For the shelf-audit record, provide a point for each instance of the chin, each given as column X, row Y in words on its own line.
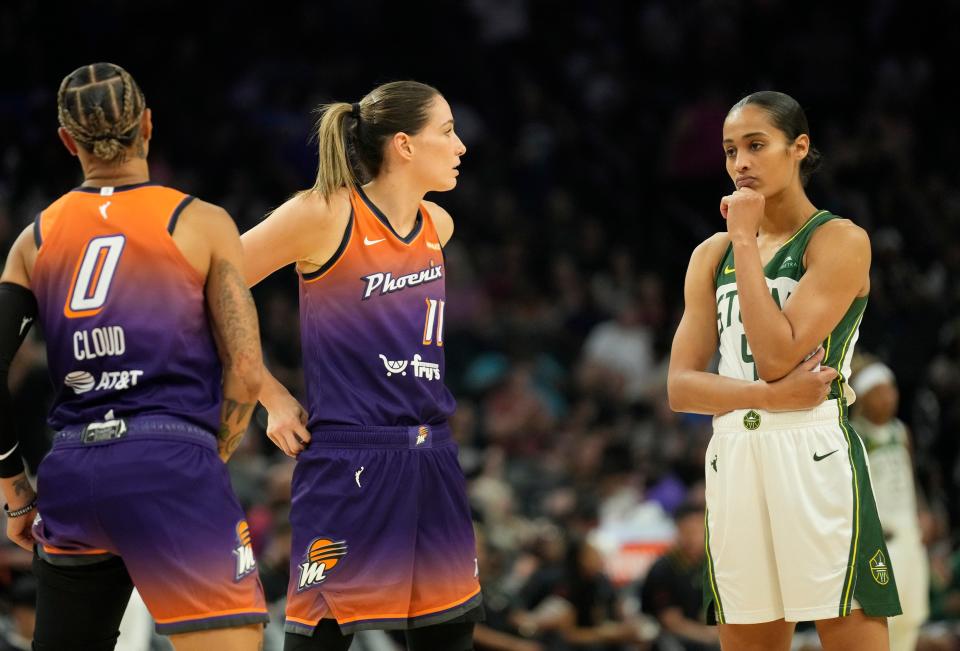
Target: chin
column 445, row 186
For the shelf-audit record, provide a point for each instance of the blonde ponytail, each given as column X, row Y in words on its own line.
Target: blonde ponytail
column 334, row 170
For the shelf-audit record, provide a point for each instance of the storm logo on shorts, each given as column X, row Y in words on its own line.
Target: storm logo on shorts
column 321, row 557
column 879, row 569
column 244, row 551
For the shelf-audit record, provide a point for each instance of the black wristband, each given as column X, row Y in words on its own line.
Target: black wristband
column 23, row 510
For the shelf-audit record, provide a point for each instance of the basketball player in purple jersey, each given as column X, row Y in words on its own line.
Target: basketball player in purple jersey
column 152, row 397
column 382, row 535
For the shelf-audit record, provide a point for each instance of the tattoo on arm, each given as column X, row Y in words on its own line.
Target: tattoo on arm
column 238, row 338
column 236, row 309
column 233, row 428
column 22, row 487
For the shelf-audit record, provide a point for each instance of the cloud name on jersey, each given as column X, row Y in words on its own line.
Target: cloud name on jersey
column 108, row 341
column 386, row 283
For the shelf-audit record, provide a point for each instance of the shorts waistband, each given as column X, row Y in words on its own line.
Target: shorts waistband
column 761, row 420
column 411, row 437
column 154, row 427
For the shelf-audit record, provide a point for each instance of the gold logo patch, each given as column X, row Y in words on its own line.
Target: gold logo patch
column 879, row 569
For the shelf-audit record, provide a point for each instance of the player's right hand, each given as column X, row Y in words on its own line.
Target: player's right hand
column 20, row 530
column 287, row 424
column 805, row 387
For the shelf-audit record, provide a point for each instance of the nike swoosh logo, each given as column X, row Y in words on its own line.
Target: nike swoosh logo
column 728, row 269
column 103, row 209
column 817, row 457
column 9, row 452
column 26, row 321
column 434, row 245
column 369, row 242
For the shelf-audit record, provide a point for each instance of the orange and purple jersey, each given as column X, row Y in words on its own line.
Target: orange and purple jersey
column 122, row 310
column 372, row 326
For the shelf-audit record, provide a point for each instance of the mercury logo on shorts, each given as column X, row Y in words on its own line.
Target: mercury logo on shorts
column 879, row 569
column 752, row 420
column 322, row 555
column 244, row 551
column 422, row 434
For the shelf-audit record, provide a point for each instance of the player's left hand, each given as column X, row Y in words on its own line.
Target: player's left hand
column 743, row 211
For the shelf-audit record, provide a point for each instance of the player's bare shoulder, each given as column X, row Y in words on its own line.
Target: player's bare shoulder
column 709, row 253
column 840, row 236
column 201, row 228
column 310, row 209
column 19, row 264
column 442, row 221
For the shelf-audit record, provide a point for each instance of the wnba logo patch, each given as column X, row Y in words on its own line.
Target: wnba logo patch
column 322, row 555
column 244, row 551
column 879, row 569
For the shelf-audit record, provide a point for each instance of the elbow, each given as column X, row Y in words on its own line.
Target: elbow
column 248, row 372
column 773, row 370
column 675, row 393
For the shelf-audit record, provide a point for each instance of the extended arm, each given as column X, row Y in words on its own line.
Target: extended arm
column 306, row 230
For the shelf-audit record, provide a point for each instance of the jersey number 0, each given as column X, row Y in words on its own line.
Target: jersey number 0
column 93, row 277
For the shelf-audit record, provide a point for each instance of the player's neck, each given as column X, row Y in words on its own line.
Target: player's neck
column 130, row 172
column 786, row 212
column 397, row 200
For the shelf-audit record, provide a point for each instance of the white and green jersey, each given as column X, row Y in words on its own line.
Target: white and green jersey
column 783, row 274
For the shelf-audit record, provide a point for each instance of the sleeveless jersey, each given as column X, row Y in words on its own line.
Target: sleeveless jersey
column 891, row 472
column 371, row 322
column 783, row 273
column 123, row 312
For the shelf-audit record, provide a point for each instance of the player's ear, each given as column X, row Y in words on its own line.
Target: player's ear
column 801, row 146
column 67, row 141
column 146, row 125
column 403, row 145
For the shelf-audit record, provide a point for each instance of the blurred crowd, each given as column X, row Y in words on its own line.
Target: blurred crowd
column 593, row 168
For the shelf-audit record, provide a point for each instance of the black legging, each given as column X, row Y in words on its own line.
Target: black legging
column 80, row 607
column 439, row 637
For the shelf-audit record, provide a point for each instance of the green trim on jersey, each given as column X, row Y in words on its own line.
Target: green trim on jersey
column 787, row 262
column 870, row 577
column 711, row 591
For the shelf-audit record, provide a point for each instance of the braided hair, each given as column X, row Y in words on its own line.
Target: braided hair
column 100, row 106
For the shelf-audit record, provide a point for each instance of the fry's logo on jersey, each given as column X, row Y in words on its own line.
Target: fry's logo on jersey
column 322, row 555
column 244, row 552
column 387, row 284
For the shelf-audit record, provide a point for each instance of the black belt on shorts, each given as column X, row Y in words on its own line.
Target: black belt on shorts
column 155, row 427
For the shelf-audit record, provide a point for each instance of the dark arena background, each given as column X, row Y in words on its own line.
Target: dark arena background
column 593, row 168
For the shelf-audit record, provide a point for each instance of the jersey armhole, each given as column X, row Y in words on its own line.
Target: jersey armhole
column 328, row 265
column 717, row 272
column 172, row 224
column 37, row 230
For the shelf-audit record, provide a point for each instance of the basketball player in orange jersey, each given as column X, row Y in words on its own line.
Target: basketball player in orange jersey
column 382, row 535
column 153, row 395
column 792, row 527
